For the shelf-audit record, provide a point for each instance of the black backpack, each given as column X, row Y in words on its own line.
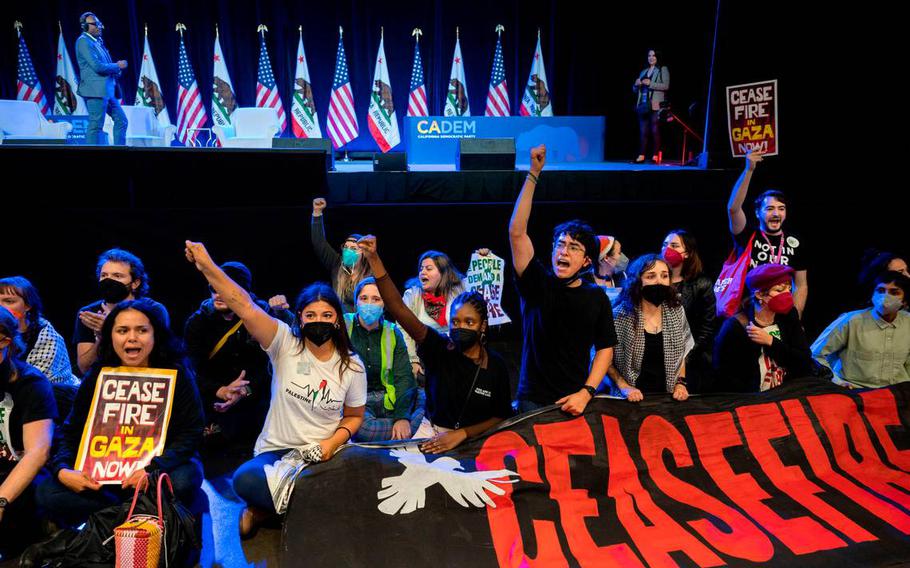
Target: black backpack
column 93, row 546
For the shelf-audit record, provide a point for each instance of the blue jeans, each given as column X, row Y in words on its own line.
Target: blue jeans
column 97, row 108
column 65, row 506
column 250, row 484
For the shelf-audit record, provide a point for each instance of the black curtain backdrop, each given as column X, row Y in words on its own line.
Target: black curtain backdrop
column 592, row 52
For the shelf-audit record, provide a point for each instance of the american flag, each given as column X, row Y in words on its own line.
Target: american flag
column 342, row 123
column 190, row 112
column 498, row 96
column 266, row 91
column 28, row 86
column 417, row 100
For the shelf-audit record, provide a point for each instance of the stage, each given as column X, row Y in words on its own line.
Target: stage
column 156, row 177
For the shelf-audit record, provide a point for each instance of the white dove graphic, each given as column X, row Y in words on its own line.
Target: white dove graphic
column 407, row 492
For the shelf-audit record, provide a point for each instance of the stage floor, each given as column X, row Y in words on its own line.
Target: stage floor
column 367, row 166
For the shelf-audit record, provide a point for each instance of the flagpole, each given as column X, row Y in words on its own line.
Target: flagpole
column 216, row 30
column 341, row 37
column 60, row 26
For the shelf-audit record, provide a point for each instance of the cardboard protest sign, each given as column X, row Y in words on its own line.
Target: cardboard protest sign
column 127, row 423
column 752, row 118
column 486, row 274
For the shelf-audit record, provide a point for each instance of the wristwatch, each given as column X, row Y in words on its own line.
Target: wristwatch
column 3, row 502
column 591, row 390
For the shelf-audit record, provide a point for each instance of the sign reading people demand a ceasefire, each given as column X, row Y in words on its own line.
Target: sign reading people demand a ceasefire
column 127, row 423
column 486, row 274
column 752, row 118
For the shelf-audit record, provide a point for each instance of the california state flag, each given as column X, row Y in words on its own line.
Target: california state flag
column 66, row 101
column 457, row 96
column 223, row 99
column 536, row 99
column 381, row 117
column 303, row 105
column 148, row 93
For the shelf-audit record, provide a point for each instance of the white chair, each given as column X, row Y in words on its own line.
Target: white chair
column 143, row 128
column 22, row 120
column 251, row 127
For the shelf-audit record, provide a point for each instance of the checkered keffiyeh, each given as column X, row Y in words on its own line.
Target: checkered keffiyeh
column 50, row 357
column 630, row 346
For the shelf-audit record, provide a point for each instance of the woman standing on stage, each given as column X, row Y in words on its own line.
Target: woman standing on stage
column 651, row 88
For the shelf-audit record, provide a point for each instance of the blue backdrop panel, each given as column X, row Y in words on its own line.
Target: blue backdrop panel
column 434, row 139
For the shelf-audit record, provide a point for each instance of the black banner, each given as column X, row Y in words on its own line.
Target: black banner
column 808, row 474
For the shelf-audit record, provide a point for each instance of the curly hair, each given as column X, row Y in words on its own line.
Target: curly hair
column 137, row 269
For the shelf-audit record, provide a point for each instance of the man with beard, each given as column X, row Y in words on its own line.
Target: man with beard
column 770, row 243
column 232, row 371
column 563, row 314
column 98, row 86
column 121, row 276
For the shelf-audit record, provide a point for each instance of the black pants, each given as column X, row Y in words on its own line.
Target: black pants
column 648, row 125
column 21, row 525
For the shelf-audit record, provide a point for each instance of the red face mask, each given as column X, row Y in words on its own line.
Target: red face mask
column 18, row 315
column 781, row 304
column 673, row 257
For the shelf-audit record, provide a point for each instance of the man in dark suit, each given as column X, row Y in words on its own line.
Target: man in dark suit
column 99, row 81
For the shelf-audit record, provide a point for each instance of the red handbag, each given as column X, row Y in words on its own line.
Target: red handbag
column 728, row 289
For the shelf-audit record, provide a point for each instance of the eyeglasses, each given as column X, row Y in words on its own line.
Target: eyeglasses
column 571, row 247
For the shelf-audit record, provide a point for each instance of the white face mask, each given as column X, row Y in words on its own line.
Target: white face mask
column 886, row 304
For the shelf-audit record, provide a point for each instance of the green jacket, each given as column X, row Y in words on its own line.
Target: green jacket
column 385, row 355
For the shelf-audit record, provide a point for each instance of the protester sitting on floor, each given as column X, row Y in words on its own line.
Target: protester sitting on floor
column 27, row 414
column 611, row 266
column 563, row 314
column 871, row 347
column 347, row 269
column 134, row 334
column 467, row 384
column 45, row 347
column 319, row 387
column 765, row 343
column 429, row 296
column 121, row 276
column 653, row 337
column 873, row 263
column 394, row 411
column 696, row 292
column 232, row 372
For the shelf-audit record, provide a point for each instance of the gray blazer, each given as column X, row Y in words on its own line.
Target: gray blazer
column 98, row 73
column 660, row 84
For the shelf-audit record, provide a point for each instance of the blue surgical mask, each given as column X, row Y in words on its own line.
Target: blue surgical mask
column 349, row 257
column 622, row 263
column 886, row 304
column 369, row 313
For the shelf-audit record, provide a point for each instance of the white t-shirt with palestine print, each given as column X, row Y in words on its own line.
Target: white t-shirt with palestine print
column 308, row 397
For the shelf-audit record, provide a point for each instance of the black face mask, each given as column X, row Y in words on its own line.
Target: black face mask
column 319, row 332
column 113, row 291
column 657, row 294
column 464, row 338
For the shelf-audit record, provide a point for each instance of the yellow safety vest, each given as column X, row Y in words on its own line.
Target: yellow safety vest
column 386, row 352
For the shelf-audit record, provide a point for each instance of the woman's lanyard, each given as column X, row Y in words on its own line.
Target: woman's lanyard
column 470, row 392
column 780, row 248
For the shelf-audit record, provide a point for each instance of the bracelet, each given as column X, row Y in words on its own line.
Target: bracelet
column 532, row 177
column 682, row 381
column 350, row 434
